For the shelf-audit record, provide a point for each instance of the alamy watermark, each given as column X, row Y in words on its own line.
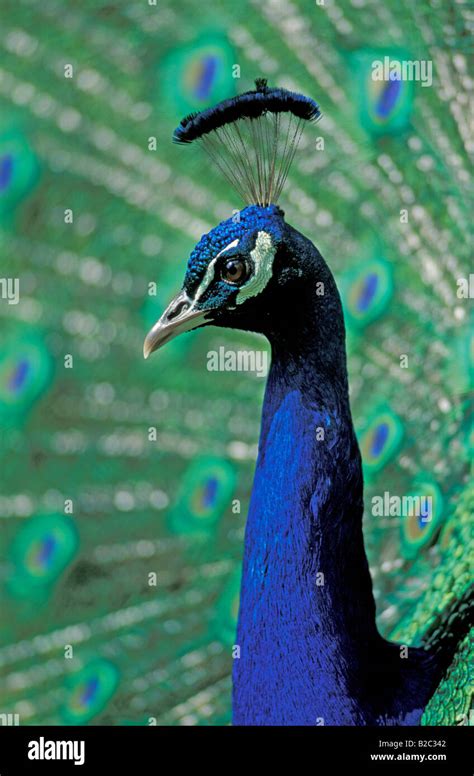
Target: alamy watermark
column 224, row 360
column 389, row 505
column 465, row 287
column 10, row 290
column 387, row 69
column 9, row 719
column 45, row 749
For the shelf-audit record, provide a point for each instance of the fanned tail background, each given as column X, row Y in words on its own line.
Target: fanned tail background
column 125, row 484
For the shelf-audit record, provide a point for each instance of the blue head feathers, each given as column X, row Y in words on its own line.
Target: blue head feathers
column 234, row 261
column 231, row 265
column 215, row 242
column 252, row 138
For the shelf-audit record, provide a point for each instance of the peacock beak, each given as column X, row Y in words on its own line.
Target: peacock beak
column 178, row 317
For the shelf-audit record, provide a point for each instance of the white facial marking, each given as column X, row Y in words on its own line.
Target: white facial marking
column 262, row 257
column 209, row 276
column 233, row 244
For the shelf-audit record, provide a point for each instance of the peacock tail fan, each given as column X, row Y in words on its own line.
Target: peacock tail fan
column 252, row 138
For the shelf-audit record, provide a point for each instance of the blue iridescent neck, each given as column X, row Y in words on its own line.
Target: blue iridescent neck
column 307, row 614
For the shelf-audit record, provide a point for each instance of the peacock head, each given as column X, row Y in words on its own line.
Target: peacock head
column 242, row 273
column 230, row 273
column 246, row 273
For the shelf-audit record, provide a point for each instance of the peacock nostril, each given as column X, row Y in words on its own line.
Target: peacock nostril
column 180, row 308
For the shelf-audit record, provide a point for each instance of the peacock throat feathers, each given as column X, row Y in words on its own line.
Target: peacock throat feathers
column 252, row 139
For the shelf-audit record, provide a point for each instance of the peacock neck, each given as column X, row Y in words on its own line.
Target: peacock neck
column 307, row 616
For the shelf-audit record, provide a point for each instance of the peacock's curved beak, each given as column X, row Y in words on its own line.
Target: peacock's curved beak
column 178, row 317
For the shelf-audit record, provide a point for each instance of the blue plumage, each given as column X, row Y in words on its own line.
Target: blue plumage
column 309, row 649
column 247, row 223
column 310, row 652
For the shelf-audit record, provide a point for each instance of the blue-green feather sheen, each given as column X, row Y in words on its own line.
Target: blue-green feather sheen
column 309, row 653
column 245, row 226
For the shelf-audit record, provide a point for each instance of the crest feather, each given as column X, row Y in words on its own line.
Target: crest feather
column 252, row 138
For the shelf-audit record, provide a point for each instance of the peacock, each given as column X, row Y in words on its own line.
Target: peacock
column 125, row 484
column 308, row 648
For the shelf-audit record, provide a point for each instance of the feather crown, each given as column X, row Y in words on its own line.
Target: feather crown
column 252, row 138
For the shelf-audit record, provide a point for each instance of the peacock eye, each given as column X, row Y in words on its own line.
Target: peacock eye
column 235, row 271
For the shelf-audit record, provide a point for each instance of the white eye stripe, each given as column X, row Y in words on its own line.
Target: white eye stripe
column 233, row 244
column 262, row 257
column 209, row 276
